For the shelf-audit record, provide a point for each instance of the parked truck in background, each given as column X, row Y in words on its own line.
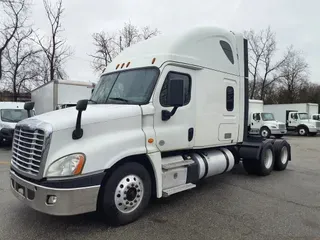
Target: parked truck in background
column 263, row 123
column 59, row 94
column 167, row 113
column 299, row 117
column 11, row 113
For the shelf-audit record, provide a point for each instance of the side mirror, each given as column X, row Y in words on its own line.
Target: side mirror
column 29, row 106
column 175, row 97
column 81, row 106
column 176, row 92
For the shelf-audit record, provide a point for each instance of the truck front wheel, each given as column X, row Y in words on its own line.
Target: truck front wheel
column 126, row 194
column 303, row 131
column 265, row 132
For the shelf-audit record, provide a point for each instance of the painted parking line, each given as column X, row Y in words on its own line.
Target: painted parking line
column 4, row 163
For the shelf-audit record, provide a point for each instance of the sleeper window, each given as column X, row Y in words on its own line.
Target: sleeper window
column 230, row 98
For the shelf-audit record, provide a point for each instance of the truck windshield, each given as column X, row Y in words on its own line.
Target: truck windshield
column 127, row 87
column 14, row 115
column 303, row 116
column 267, row 116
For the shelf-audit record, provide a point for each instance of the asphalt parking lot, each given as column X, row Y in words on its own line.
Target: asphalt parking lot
column 284, row 205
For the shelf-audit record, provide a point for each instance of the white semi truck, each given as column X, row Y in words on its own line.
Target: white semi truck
column 167, row 113
column 60, row 94
column 299, row 117
column 10, row 114
column 263, row 123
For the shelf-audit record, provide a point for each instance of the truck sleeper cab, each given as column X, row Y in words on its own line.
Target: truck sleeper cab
column 167, row 113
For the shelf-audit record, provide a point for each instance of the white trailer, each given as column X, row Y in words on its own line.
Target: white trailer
column 167, row 113
column 299, row 117
column 11, row 113
column 60, row 94
column 263, row 123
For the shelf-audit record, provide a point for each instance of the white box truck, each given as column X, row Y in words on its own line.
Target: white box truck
column 167, row 113
column 263, row 123
column 299, row 117
column 60, row 94
column 11, row 113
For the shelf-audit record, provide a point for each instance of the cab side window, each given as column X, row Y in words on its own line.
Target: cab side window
column 256, row 116
column 187, row 88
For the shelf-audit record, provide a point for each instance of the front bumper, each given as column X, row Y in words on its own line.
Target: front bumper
column 6, row 134
column 69, row 201
column 275, row 131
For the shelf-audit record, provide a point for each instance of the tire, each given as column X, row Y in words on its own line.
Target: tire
column 265, row 132
column 282, row 149
column 302, row 131
column 266, row 162
column 278, row 136
column 126, row 194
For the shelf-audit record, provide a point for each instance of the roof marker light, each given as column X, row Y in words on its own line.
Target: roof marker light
column 153, row 60
column 122, row 65
column 118, row 66
column 128, row 64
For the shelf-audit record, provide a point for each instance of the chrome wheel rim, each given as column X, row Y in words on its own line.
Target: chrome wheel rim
column 284, row 155
column 129, row 194
column 268, row 158
column 264, row 133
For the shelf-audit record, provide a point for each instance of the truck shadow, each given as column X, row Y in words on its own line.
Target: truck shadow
column 158, row 211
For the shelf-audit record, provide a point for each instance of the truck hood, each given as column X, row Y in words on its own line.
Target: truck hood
column 275, row 122
column 9, row 125
column 95, row 113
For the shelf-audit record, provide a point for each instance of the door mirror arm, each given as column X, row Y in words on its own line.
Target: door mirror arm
column 166, row 115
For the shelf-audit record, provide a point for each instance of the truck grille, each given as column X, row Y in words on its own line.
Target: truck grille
column 282, row 126
column 27, row 147
column 317, row 124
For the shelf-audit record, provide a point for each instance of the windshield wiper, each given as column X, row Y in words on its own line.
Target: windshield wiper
column 119, row 99
column 90, row 100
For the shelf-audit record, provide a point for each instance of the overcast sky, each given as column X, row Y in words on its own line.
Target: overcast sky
column 294, row 21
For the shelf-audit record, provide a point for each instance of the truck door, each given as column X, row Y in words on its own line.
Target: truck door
column 293, row 120
column 177, row 132
column 256, row 123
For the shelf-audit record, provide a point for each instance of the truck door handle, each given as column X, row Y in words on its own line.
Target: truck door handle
column 190, row 134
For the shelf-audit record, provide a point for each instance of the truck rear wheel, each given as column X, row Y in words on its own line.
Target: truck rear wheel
column 266, row 161
column 281, row 156
column 126, row 194
column 265, row 132
column 262, row 166
column 303, row 131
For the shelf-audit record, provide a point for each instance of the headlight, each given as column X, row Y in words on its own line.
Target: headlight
column 67, row 166
column 273, row 126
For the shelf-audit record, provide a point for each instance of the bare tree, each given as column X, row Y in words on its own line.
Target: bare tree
column 147, row 32
column 262, row 49
column 105, row 50
column 109, row 45
column 21, row 57
column 13, row 17
column 294, row 75
column 55, row 48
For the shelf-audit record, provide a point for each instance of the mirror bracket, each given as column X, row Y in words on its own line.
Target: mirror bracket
column 166, row 115
column 78, row 132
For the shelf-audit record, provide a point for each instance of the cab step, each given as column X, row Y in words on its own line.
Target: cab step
column 167, row 166
column 170, row 191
